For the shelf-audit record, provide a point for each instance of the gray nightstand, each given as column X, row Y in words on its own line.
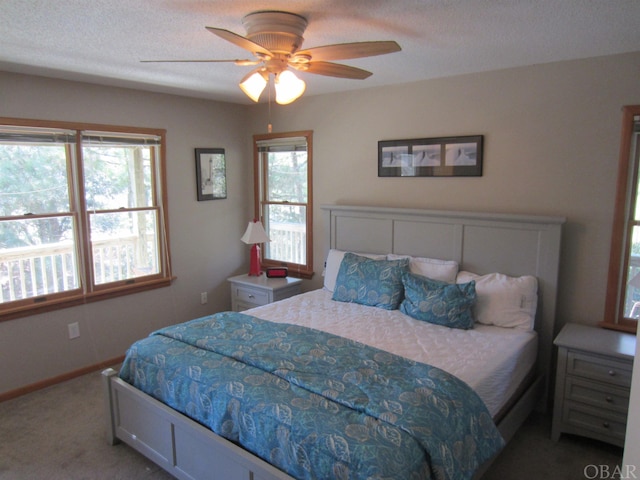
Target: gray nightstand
column 248, row 292
column 593, row 382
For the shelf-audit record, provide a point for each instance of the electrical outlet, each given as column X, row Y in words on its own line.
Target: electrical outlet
column 74, row 330
column 203, row 298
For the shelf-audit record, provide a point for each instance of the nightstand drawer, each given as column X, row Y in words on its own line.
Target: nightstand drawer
column 610, row 425
column 597, row 394
column 253, row 297
column 242, row 306
column 254, row 291
column 605, row 369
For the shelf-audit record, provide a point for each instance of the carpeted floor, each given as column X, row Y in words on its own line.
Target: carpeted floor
column 532, row 455
column 58, row 434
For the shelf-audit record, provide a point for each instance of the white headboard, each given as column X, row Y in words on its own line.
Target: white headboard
column 481, row 243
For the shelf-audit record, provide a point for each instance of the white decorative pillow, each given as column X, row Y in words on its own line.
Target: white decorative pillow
column 443, row 270
column 332, row 266
column 504, row 301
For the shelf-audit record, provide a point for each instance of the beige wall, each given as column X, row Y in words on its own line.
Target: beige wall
column 551, row 147
column 204, row 238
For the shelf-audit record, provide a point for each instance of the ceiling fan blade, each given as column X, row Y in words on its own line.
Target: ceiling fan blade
column 343, row 51
column 333, row 70
column 241, row 63
column 240, row 41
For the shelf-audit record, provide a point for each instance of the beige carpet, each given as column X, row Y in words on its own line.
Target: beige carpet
column 532, row 455
column 58, row 434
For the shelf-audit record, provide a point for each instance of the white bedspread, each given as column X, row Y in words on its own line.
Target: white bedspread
column 492, row 360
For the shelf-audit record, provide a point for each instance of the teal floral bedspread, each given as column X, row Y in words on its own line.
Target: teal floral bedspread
column 313, row 404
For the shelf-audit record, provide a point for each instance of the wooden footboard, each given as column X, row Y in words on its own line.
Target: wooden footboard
column 182, row 447
column 190, row 451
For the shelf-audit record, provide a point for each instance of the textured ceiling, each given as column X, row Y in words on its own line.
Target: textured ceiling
column 103, row 41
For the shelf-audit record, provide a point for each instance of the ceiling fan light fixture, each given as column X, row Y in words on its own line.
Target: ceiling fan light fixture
column 275, row 38
column 253, row 84
column 288, row 87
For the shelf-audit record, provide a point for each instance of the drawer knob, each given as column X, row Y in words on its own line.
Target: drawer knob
column 612, row 373
column 251, row 296
column 605, row 424
column 608, row 399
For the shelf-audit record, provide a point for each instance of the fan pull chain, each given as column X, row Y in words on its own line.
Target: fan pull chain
column 269, row 126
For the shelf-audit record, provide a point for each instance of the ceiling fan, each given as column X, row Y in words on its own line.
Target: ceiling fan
column 275, row 38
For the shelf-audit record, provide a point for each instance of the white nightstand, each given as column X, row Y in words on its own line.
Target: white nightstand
column 248, row 292
column 593, row 383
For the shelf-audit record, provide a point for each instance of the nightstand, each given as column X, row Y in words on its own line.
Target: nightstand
column 248, row 292
column 593, row 382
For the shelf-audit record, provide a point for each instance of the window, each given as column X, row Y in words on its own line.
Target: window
column 82, row 214
column 282, row 165
column 622, row 308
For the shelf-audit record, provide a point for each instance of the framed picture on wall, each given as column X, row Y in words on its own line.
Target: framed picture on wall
column 431, row 157
column 211, row 174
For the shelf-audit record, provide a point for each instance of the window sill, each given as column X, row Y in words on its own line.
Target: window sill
column 294, row 270
column 72, row 301
column 630, row 327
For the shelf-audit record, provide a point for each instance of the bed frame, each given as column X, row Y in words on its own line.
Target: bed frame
column 481, row 242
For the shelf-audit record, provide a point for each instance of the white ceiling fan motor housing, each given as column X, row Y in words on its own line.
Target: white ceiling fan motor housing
column 278, row 32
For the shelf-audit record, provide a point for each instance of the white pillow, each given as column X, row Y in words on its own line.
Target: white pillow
column 443, row 270
column 332, row 265
column 504, row 301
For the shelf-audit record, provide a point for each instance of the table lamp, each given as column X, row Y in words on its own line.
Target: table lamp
column 254, row 235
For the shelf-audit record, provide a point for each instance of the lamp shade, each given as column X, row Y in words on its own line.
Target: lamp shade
column 255, row 233
column 253, row 84
column 288, row 87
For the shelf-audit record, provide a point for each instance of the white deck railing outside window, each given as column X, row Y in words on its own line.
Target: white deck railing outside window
column 288, row 242
column 27, row 272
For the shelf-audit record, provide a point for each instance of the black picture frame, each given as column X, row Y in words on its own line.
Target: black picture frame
column 211, row 174
column 431, row 157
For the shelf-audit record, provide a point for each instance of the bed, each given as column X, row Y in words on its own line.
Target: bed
column 484, row 248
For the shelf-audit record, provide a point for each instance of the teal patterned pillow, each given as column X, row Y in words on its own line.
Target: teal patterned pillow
column 376, row 283
column 433, row 301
